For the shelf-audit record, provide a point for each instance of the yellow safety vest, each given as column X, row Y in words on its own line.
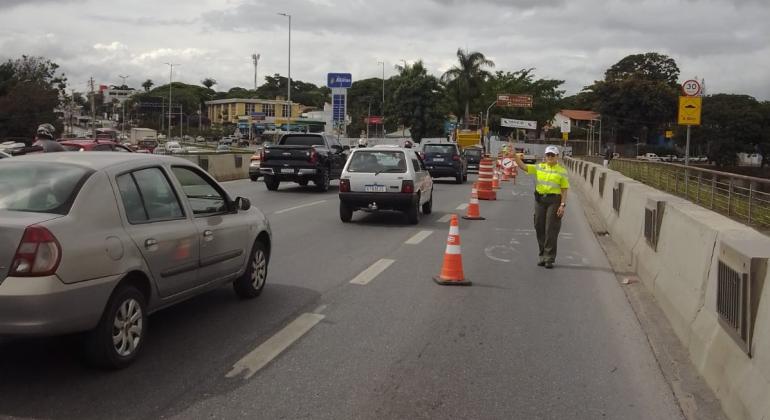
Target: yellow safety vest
column 549, row 179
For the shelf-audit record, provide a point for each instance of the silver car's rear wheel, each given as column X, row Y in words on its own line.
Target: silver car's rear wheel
column 127, row 327
column 250, row 284
column 119, row 337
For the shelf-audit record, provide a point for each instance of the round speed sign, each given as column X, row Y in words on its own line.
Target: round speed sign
column 691, row 88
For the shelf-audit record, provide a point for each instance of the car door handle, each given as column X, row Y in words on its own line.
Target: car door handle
column 151, row 244
column 208, row 235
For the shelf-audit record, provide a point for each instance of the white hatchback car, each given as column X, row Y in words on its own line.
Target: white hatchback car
column 385, row 178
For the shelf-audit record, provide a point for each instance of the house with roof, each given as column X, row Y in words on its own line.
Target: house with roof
column 574, row 118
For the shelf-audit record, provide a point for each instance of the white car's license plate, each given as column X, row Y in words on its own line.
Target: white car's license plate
column 287, row 171
column 438, row 159
column 374, row 188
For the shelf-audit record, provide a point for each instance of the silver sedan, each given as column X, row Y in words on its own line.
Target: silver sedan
column 94, row 242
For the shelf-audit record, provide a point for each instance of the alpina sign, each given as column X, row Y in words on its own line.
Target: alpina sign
column 339, row 80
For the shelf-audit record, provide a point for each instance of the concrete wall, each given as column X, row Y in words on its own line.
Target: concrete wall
column 223, row 166
column 682, row 275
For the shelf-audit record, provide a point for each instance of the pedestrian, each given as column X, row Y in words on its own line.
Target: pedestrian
column 551, row 185
column 607, row 156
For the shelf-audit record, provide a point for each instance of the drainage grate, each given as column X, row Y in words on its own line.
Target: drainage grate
column 653, row 217
column 602, row 179
column 732, row 303
column 204, row 164
column 617, row 194
column 238, row 161
column 593, row 175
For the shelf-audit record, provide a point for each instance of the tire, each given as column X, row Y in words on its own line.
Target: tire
column 250, row 284
column 254, row 178
column 413, row 214
column 459, row 178
column 303, row 182
column 322, row 181
column 271, row 183
column 127, row 308
column 346, row 212
column 427, row 208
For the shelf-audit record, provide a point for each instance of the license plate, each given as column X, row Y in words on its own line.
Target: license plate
column 287, row 171
column 375, row 188
column 438, row 159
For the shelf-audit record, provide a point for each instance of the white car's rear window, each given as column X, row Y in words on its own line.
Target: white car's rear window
column 40, row 187
column 371, row 161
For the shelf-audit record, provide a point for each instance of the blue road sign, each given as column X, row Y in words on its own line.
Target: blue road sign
column 338, row 107
column 339, row 80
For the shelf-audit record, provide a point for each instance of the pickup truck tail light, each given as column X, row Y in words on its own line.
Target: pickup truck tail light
column 407, row 186
column 344, row 185
column 262, row 155
column 38, row 254
column 313, row 156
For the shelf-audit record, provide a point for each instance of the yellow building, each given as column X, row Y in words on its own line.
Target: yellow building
column 229, row 110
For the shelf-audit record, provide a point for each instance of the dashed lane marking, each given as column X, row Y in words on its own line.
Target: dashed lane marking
column 418, row 237
column 462, row 206
column 445, row 218
column 300, row 206
column 373, row 271
column 274, row 346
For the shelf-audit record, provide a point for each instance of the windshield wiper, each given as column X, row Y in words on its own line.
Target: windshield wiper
column 389, row 170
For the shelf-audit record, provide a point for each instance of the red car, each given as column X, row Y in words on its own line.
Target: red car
column 91, row 145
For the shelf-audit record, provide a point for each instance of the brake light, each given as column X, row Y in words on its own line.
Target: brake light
column 344, row 185
column 407, row 186
column 313, row 156
column 39, row 254
column 262, row 154
column 455, row 157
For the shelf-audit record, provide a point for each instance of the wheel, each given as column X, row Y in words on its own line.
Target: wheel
column 346, row 212
column 427, row 208
column 250, row 284
column 254, row 177
column 413, row 214
column 271, row 183
column 303, row 182
column 322, row 181
column 119, row 337
column 459, row 178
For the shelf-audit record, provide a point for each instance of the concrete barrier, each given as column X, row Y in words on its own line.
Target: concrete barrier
column 223, row 166
column 682, row 272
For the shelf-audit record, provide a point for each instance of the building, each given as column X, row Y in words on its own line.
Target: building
column 576, row 122
column 111, row 93
column 574, row 118
column 229, row 111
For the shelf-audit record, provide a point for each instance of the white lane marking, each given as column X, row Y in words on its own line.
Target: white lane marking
column 445, row 218
column 319, row 309
column 462, row 206
column 418, row 237
column 275, row 345
column 373, row 271
column 300, row 206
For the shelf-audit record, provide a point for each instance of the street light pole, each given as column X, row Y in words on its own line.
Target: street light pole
column 486, row 122
column 123, row 108
column 255, row 57
column 383, row 97
column 288, row 94
column 170, row 78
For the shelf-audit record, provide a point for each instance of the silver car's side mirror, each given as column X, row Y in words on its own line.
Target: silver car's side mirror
column 242, row 203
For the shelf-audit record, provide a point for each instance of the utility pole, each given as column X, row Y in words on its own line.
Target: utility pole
column 255, row 57
column 123, row 109
column 93, row 108
column 288, row 94
column 383, row 97
column 170, row 79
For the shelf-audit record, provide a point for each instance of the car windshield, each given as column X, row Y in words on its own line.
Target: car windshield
column 447, row 149
column 40, row 187
column 377, row 162
column 302, row 141
column 473, row 152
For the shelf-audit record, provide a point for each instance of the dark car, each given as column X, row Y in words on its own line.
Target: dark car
column 445, row 160
column 473, row 157
column 91, row 145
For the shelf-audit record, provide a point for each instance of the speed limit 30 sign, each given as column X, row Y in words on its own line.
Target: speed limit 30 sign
column 691, row 88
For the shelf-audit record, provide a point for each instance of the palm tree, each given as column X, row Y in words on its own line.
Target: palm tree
column 208, row 82
column 147, row 85
column 468, row 77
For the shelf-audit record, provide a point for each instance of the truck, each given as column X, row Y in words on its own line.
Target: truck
column 301, row 158
column 144, row 138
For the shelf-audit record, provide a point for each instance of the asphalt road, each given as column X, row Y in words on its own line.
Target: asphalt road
column 522, row 342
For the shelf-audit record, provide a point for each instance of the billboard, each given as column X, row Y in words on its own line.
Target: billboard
column 339, row 80
column 529, row 125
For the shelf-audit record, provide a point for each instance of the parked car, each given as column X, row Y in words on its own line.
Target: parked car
column 385, row 178
column 223, row 148
column 650, row 157
column 91, row 145
column 162, row 232
column 302, row 157
column 473, row 157
column 445, row 160
column 173, row 147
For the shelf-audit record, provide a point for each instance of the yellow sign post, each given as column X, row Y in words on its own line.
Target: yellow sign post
column 689, row 110
column 565, row 136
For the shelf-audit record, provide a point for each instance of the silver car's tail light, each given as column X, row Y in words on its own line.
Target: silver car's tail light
column 39, row 254
column 344, row 185
column 407, row 186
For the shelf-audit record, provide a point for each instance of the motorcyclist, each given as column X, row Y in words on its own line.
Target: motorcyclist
column 45, row 139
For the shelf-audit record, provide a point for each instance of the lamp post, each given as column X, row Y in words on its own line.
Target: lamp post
column 383, row 96
column 123, row 109
column 288, row 94
column 486, row 124
column 255, row 57
column 170, row 78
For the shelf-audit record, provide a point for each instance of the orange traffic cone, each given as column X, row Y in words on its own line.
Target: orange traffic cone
column 495, row 181
column 473, row 207
column 452, row 269
column 506, row 174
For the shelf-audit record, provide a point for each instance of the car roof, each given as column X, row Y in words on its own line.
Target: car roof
column 97, row 160
column 86, row 141
column 381, row 147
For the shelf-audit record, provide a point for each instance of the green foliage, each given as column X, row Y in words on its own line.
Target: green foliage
column 361, row 94
column 464, row 81
column 301, row 92
column 208, row 82
column 30, row 90
column 147, row 85
column 650, row 66
column 417, row 102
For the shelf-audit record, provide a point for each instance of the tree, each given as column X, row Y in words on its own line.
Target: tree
column 30, row 90
column 417, row 102
column 730, row 124
column 147, row 85
column 361, row 95
column 208, row 82
column 467, row 77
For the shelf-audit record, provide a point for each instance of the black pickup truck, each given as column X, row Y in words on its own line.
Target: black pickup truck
column 303, row 157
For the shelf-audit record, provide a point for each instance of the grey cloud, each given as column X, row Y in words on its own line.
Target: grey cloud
column 8, row 4
column 144, row 20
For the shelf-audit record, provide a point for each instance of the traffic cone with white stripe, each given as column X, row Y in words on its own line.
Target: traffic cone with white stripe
column 473, row 212
column 495, row 181
column 452, row 269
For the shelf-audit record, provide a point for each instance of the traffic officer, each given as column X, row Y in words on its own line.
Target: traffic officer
column 550, row 201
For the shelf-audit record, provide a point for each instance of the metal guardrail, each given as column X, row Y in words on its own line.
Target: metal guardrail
column 742, row 198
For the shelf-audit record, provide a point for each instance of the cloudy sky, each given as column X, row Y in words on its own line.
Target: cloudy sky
column 727, row 42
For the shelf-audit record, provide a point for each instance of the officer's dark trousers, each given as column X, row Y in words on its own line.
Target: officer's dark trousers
column 547, row 224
